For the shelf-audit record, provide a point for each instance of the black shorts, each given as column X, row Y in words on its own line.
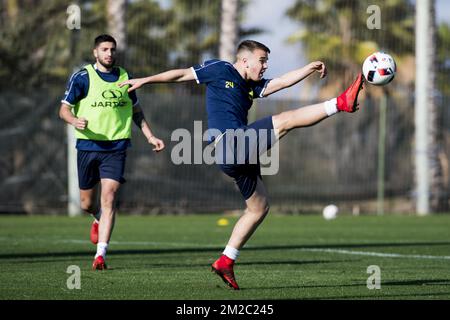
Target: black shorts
column 245, row 167
column 96, row 165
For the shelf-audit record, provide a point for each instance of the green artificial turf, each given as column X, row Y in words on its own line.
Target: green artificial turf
column 169, row 257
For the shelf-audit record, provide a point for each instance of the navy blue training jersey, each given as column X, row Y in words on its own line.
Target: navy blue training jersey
column 228, row 95
column 77, row 89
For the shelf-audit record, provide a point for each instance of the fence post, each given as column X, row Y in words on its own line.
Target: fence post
column 73, row 194
column 381, row 153
column 421, row 112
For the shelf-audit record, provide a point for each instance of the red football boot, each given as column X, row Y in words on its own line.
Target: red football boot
column 94, row 232
column 348, row 100
column 223, row 267
column 99, row 264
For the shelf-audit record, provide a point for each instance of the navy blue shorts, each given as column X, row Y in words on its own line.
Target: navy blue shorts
column 245, row 167
column 94, row 165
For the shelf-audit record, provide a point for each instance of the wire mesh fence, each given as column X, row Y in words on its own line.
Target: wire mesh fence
column 335, row 161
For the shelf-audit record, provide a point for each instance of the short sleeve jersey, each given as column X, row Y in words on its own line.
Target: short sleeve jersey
column 228, row 95
column 77, row 89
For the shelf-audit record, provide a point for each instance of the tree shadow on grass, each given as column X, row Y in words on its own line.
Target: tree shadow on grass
column 33, row 255
column 258, row 263
column 418, row 282
column 381, row 295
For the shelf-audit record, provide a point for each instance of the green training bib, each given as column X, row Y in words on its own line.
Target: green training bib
column 107, row 108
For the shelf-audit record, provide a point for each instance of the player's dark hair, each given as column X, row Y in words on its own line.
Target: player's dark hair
column 104, row 38
column 251, row 45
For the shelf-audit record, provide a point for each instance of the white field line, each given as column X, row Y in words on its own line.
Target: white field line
column 324, row 250
column 377, row 254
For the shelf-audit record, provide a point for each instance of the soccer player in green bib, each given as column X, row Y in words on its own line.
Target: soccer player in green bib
column 102, row 114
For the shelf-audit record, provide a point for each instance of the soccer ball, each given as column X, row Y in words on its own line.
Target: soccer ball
column 379, row 69
column 330, row 212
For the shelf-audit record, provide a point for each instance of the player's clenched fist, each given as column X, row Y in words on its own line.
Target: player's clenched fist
column 80, row 123
column 157, row 143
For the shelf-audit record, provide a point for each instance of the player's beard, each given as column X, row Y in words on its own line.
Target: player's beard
column 106, row 64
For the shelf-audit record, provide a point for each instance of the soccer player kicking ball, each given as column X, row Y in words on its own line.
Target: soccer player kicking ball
column 231, row 89
column 101, row 113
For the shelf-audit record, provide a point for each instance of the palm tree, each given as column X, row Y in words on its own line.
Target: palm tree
column 46, row 56
column 229, row 30
column 336, row 31
column 443, row 56
column 37, row 57
column 116, row 13
column 195, row 28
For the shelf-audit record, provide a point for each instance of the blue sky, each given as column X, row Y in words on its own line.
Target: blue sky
column 285, row 57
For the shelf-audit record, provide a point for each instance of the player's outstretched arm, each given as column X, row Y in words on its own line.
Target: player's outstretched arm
column 175, row 75
column 293, row 77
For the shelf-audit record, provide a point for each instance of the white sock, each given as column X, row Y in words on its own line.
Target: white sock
column 98, row 214
column 101, row 249
column 331, row 107
column 231, row 252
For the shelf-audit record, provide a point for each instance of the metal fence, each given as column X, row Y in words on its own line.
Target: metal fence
column 334, row 161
